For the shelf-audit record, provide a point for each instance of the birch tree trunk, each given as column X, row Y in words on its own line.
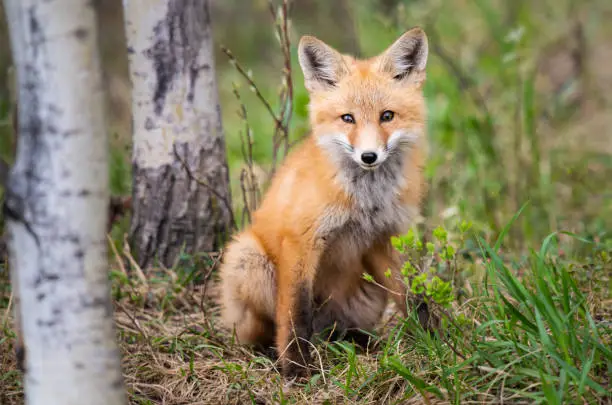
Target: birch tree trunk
column 181, row 196
column 56, row 207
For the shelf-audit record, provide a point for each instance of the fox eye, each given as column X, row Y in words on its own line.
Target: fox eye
column 386, row 116
column 348, row 118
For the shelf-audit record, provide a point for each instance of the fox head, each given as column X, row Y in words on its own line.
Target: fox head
column 366, row 110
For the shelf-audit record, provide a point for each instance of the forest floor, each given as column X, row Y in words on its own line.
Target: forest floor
column 536, row 330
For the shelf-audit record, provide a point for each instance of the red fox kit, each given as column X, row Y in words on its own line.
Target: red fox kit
column 334, row 204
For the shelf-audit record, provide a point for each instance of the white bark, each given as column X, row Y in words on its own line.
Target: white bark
column 57, row 206
column 175, row 108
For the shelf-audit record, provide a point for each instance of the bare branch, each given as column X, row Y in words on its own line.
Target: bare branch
column 248, row 180
column 206, row 185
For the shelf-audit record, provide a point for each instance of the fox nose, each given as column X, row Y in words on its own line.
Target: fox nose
column 368, row 157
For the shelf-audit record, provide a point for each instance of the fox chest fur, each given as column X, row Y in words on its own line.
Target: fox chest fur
column 377, row 212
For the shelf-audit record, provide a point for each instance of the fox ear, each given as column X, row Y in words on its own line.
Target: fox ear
column 406, row 58
column 322, row 65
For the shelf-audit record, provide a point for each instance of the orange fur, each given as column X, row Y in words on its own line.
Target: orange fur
column 328, row 216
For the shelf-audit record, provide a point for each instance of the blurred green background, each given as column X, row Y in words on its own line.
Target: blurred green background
column 519, row 96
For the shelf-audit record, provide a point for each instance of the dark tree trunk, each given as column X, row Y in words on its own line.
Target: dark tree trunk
column 181, row 198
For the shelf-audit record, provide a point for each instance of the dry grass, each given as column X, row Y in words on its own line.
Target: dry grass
column 10, row 378
column 180, row 356
column 179, row 362
column 174, row 353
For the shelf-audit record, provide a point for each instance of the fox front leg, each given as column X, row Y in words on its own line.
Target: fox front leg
column 294, row 314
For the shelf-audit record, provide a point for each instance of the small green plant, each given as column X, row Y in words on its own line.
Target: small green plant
column 429, row 268
column 517, row 332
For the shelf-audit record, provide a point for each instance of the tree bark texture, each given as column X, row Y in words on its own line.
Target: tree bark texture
column 176, row 123
column 56, row 207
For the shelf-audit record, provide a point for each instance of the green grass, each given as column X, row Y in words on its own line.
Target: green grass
column 524, row 330
column 519, row 150
column 533, row 329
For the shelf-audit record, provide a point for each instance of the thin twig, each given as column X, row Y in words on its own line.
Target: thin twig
column 287, row 91
column 383, row 287
column 283, row 118
column 247, row 175
column 207, row 186
column 128, row 253
column 116, row 255
column 252, row 85
column 247, row 209
column 139, row 328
